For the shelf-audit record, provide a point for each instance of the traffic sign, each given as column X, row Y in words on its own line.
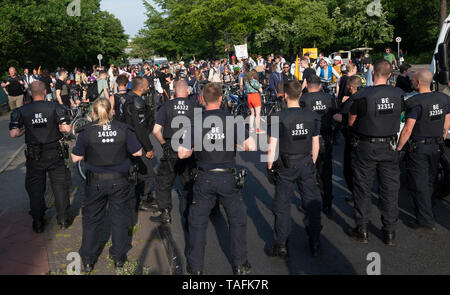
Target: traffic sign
column 398, row 39
column 100, row 57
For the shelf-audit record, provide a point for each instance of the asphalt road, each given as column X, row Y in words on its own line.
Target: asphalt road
column 417, row 252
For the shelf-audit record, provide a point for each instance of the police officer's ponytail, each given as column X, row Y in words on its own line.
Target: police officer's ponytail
column 102, row 111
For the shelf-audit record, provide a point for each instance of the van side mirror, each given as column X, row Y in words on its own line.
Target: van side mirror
column 442, row 61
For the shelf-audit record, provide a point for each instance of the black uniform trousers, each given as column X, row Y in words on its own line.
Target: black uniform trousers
column 422, row 164
column 36, row 181
column 302, row 173
column 370, row 160
column 324, row 166
column 100, row 195
column 145, row 177
column 209, row 187
column 165, row 178
column 348, row 172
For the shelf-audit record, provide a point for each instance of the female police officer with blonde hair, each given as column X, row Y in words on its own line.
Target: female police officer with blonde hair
column 106, row 146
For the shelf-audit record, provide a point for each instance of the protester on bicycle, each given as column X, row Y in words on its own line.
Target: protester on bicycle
column 326, row 71
column 254, row 89
column 227, row 77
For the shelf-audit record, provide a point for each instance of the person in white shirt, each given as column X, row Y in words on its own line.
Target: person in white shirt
column 214, row 73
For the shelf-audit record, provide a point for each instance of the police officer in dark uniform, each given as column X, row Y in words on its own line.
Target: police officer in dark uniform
column 139, row 116
column 427, row 124
column 214, row 145
column 354, row 84
column 43, row 123
column 169, row 137
column 296, row 137
column 325, row 106
column 105, row 145
column 375, row 117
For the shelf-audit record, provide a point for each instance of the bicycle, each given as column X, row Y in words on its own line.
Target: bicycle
column 271, row 106
column 329, row 87
column 81, row 117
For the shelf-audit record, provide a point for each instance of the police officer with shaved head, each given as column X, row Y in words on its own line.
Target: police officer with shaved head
column 43, row 124
column 213, row 143
column 427, row 124
column 375, row 116
column 325, row 106
column 293, row 151
column 167, row 132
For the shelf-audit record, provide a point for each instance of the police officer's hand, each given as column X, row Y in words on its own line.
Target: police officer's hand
column 150, row 155
column 271, row 176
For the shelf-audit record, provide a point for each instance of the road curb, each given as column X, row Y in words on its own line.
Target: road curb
column 13, row 157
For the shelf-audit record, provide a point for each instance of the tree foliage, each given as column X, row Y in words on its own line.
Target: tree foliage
column 356, row 28
column 39, row 32
column 178, row 28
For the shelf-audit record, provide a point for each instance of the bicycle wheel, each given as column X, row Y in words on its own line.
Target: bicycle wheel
column 79, row 123
column 81, row 170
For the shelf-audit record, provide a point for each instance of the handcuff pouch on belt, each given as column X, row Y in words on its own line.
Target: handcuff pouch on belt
column 33, row 152
column 239, row 176
column 133, row 174
column 285, row 162
column 354, row 141
column 63, row 149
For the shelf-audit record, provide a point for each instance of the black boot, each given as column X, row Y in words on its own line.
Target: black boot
column 360, row 233
column 38, row 225
column 164, row 217
column 389, row 237
column 314, row 246
column 193, row 272
column 88, row 267
column 66, row 223
column 328, row 210
column 278, row 250
column 243, row 269
column 314, row 242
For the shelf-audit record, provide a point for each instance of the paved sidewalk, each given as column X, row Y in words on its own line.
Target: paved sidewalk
column 9, row 147
column 24, row 252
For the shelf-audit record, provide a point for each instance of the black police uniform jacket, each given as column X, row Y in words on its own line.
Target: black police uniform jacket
column 177, row 107
column 384, row 105
column 322, row 104
column 218, row 146
column 41, row 120
column 107, row 144
column 139, row 116
column 434, row 109
column 296, row 129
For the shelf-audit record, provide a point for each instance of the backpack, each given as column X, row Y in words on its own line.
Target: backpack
column 120, row 115
column 92, row 91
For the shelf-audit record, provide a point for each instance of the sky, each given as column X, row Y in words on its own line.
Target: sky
column 130, row 12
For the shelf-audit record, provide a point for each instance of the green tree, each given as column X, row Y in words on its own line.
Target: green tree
column 355, row 27
column 39, row 32
column 417, row 22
